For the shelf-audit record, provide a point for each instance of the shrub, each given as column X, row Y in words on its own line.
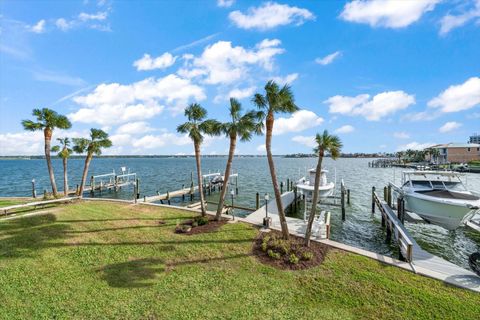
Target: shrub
column 307, row 256
column 293, row 259
column 201, row 220
column 274, row 255
column 264, row 246
column 194, row 224
column 182, row 228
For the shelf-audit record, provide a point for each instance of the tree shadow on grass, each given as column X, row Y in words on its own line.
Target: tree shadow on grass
column 133, row 274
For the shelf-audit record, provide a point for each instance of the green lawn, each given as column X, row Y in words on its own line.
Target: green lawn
column 5, row 202
column 110, row 260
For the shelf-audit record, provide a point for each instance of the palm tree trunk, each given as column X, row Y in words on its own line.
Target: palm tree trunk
column 84, row 175
column 48, row 138
column 276, row 190
column 199, row 177
column 318, row 172
column 65, row 177
column 231, row 152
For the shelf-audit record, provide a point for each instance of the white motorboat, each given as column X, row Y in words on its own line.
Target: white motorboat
column 326, row 188
column 439, row 197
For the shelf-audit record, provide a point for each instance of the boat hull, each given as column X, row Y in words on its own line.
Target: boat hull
column 449, row 215
column 323, row 192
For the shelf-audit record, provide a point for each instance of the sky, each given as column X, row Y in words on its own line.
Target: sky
column 383, row 75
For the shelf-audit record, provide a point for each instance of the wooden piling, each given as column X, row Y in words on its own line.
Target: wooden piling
column 295, row 197
column 373, row 199
column 281, row 187
column 138, row 188
column 257, row 201
column 34, row 192
column 348, row 196
column 236, row 185
column 385, row 196
column 389, row 233
column 183, row 195
column 288, row 184
column 343, row 203
column 92, row 185
column 389, row 195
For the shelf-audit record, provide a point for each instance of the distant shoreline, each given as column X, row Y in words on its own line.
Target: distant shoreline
column 41, row 157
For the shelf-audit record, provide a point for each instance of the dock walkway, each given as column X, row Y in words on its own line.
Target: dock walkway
column 423, row 262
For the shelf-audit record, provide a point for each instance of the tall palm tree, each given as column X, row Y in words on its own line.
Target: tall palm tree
column 242, row 126
column 325, row 143
column 196, row 127
column 98, row 141
column 275, row 100
column 47, row 120
column 64, row 152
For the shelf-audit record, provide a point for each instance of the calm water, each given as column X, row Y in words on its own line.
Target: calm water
column 361, row 228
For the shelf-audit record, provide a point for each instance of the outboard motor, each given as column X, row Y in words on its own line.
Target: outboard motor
column 474, row 262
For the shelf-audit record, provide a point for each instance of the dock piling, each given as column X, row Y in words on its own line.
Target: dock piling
column 348, row 196
column 34, row 192
column 281, row 187
column 373, row 199
column 257, row 201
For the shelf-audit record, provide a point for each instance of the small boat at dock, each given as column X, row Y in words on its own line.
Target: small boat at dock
column 326, row 188
column 439, row 197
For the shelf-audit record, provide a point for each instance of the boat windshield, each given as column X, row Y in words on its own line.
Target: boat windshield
column 454, row 186
column 419, row 184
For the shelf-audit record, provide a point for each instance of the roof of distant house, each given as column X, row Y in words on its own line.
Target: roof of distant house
column 456, row 145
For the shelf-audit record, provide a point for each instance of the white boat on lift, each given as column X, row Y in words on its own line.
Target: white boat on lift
column 439, row 197
column 306, row 187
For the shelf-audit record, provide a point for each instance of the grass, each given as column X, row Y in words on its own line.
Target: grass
column 5, row 202
column 110, row 260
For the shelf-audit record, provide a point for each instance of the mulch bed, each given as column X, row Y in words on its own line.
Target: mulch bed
column 211, row 226
column 318, row 250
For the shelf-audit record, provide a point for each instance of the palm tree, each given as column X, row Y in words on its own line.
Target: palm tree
column 325, row 143
column 196, row 127
column 47, row 120
column 98, row 141
column 275, row 100
column 64, row 152
column 240, row 126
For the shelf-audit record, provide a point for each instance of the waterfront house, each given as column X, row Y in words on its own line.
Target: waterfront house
column 456, row 153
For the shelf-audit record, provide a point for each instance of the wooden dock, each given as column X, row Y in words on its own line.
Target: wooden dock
column 169, row 195
column 421, row 261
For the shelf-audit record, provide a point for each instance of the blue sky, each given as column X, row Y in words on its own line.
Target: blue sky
column 383, row 75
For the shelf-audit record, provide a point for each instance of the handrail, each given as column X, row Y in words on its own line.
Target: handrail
column 404, row 239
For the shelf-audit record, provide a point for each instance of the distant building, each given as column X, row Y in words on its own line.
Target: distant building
column 475, row 138
column 457, row 152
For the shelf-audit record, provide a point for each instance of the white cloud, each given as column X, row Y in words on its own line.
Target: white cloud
column 161, row 140
column 161, row 62
column 220, row 63
column 100, row 16
column 270, row 15
column 133, row 128
column 401, row 135
column 329, row 58
column 345, row 129
column 30, row 143
column 225, row 3
column 449, row 126
column 97, row 21
column 386, row 13
column 450, row 22
column 39, row 27
column 381, row 105
column 298, row 121
column 63, row 79
column 63, row 24
column 115, row 103
column 415, row 146
column 308, row 141
column 458, row 97
column 421, row 116
column 235, row 93
column 287, row 79
column 261, row 148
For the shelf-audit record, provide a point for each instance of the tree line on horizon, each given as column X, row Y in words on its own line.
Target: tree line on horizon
column 240, row 126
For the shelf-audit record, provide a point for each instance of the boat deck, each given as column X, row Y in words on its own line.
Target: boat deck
column 423, row 263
